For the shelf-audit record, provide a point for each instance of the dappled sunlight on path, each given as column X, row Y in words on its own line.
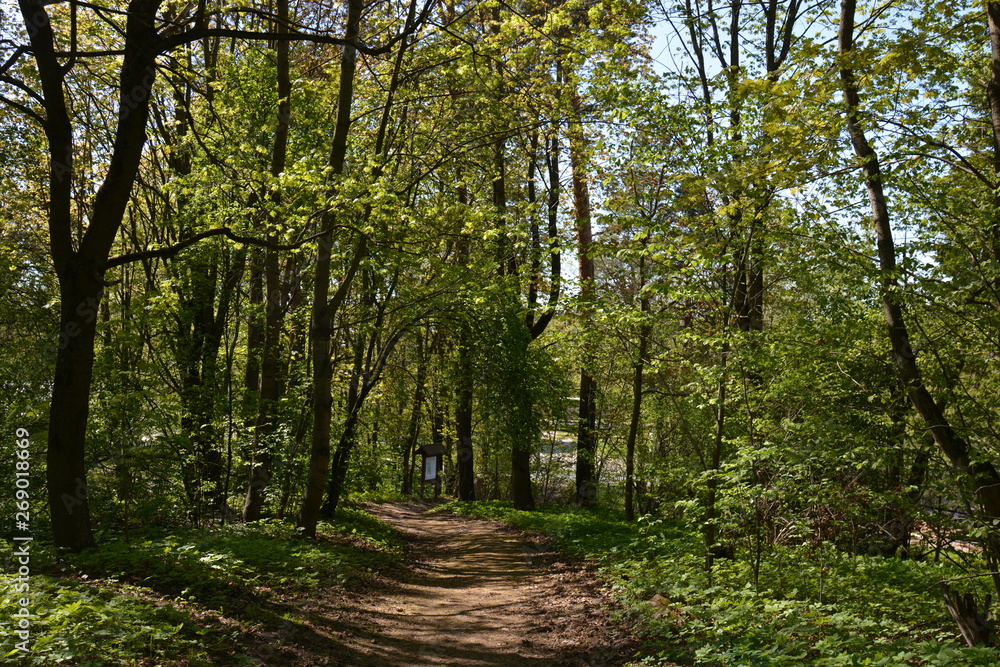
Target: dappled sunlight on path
column 478, row 596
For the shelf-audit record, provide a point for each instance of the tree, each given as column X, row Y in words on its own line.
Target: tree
column 324, row 308
column 81, row 254
column 275, row 295
column 982, row 474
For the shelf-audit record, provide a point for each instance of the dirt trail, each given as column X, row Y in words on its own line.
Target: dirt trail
column 477, row 596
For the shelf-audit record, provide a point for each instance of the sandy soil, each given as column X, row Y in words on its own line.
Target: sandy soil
column 475, row 595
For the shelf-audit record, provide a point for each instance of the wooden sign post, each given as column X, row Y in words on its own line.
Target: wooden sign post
column 433, row 457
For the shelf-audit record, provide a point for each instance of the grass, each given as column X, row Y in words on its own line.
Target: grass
column 809, row 604
column 187, row 598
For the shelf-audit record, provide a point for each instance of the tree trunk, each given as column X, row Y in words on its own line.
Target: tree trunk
column 520, row 480
column 982, row 474
column 464, row 394
column 322, row 311
column 80, row 264
column 523, row 433
column 993, row 97
column 536, row 323
column 711, row 511
column 80, row 294
column 539, row 325
column 348, row 436
column 586, row 442
column 463, row 419
column 413, row 432
column 973, row 623
column 195, row 357
column 255, row 333
column 645, row 329
column 262, row 463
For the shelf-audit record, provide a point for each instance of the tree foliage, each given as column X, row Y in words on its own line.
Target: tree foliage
column 255, row 256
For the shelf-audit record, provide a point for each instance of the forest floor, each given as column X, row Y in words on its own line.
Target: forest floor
column 472, row 593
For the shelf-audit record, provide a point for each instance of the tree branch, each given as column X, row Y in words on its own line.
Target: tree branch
column 170, row 251
column 197, row 34
column 23, row 109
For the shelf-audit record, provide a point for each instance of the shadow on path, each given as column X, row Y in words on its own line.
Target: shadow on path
column 472, row 599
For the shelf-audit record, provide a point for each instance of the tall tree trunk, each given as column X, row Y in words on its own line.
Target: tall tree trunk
column 371, row 352
column 80, row 264
column 993, row 97
column 348, row 436
column 322, row 310
column 66, row 468
column 981, row 474
column 522, row 428
column 586, row 442
column 255, row 332
column 463, row 420
column 711, row 510
column 536, row 322
column 465, row 391
column 645, row 329
column 262, row 463
column 520, row 447
column 413, row 431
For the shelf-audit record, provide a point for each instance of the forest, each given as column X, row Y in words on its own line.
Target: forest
column 706, row 292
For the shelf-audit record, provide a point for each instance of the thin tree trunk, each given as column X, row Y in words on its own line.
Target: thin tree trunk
column 993, row 97
column 711, row 511
column 586, row 442
column 255, row 332
column 348, row 436
column 413, row 431
column 521, row 490
column 323, row 314
column 539, row 325
column 982, row 474
column 523, row 448
column 463, row 419
column 520, row 449
column 262, row 463
column 464, row 394
column 322, row 310
column 645, row 329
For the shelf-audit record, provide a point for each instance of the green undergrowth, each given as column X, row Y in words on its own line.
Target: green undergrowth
column 248, row 560
column 97, row 623
column 185, row 598
column 807, row 605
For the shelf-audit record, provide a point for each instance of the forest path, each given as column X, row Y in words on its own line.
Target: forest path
column 476, row 595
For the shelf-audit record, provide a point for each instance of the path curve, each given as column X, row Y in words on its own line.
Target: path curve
column 478, row 596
